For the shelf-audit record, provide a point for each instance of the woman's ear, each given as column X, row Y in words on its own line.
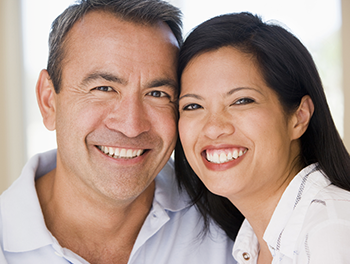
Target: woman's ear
column 46, row 96
column 302, row 116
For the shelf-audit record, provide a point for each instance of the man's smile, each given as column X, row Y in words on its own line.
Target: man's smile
column 121, row 153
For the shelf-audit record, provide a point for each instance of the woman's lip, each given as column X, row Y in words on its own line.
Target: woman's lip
column 222, row 149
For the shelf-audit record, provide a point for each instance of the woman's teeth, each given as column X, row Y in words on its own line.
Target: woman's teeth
column 219, row 157
column 121, row 153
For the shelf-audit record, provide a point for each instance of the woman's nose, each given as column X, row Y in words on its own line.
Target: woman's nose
column 218, row 125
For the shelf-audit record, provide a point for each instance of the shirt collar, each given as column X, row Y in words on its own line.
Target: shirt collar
column 288, row 217
column 246, row 246
column 24, row 227
column 167, row 193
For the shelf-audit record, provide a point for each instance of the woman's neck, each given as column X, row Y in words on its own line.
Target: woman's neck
column 258, row 209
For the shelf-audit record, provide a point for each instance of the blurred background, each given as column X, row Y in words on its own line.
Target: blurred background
column 322, row 25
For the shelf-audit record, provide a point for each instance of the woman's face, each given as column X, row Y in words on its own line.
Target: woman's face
column 233, row 129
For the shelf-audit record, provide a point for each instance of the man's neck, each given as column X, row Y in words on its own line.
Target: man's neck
column 100, row 233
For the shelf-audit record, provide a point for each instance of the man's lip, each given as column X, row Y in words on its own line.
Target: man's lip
column 122, row 152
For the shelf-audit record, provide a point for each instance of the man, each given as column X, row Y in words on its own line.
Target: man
column 110, row 93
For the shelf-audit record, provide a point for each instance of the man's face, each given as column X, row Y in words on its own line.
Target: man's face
column 115, row 114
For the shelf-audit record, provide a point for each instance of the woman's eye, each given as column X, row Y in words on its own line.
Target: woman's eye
column 158, row 94
column 191, row 107
column 104, row 88
column 243, row 101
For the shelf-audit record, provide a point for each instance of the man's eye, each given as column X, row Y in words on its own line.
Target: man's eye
column 190, row 107
column 243, row 101
column 104, row 88
column 158, row 94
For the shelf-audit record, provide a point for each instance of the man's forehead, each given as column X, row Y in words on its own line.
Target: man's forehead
column 101, row 24
column 107, row 48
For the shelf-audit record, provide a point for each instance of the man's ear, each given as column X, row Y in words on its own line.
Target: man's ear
column 46, row 96
column 302, row 116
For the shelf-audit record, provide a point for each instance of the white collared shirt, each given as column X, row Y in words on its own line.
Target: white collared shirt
column 310, row 225
column 170, row 234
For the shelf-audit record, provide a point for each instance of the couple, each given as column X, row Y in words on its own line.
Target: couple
column 254, row 126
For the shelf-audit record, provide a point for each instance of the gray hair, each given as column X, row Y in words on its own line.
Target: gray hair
column 138, row 11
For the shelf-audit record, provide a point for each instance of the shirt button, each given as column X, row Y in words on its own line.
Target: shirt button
column 246, row 256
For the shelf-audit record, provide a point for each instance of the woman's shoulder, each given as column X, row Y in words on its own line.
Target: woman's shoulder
column 331, row 205
column 325, row 235
column 334, row 193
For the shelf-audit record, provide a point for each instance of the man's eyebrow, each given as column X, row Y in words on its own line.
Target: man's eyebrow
column 102, row 75
column 163, row 82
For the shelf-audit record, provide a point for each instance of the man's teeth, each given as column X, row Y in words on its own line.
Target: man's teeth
column 224, row 157
column 120, row 153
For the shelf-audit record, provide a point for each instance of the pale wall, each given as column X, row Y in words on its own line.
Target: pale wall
column 346, row 69
column 12, row 144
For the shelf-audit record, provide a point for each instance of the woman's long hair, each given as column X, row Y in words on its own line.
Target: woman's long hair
column 287, row 68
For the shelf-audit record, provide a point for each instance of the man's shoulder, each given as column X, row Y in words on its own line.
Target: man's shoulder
column 37, row 166
column 19, row 204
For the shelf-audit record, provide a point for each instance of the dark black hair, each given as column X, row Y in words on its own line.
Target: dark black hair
column 288, row 68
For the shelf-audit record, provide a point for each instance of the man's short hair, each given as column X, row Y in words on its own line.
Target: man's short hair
column 137, row 11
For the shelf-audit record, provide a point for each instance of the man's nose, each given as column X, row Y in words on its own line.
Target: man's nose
column 129, row 117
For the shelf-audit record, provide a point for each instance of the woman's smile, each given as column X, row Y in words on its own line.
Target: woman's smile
column 220, row 159
column 220, row 156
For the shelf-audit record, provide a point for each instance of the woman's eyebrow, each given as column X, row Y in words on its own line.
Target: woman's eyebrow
column 236, row 89
column 196, row 96
column 230, row 92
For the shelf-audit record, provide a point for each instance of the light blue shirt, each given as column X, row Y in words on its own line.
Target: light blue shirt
column 170, row 233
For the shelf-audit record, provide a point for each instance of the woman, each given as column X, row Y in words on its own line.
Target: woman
column 256, row 129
